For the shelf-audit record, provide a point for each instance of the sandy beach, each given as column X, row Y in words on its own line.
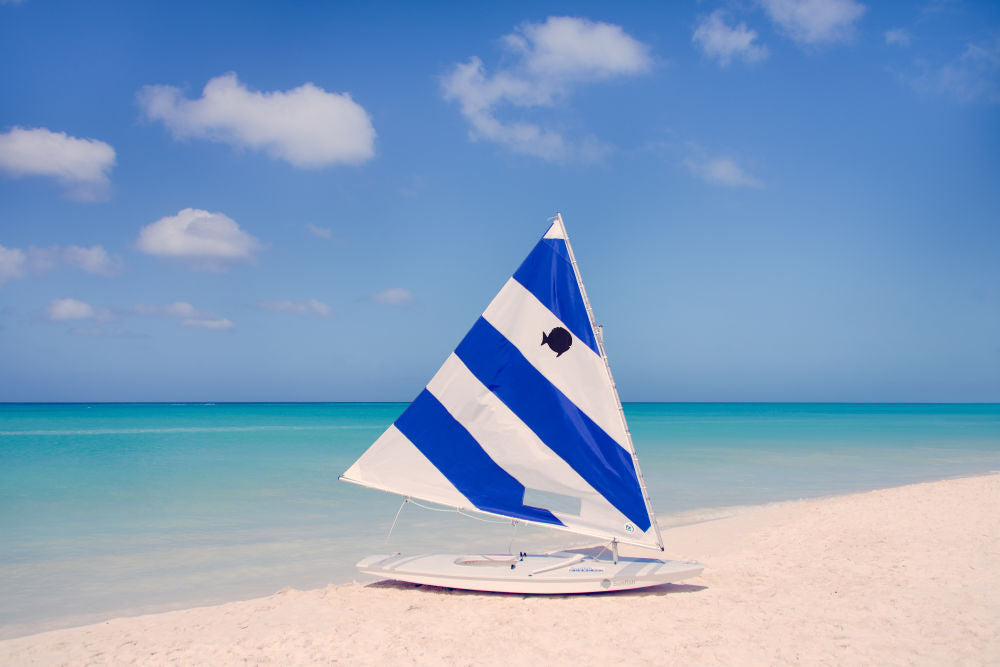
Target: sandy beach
column 908, row 575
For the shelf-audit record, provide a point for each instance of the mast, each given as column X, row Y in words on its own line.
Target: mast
column 599, row 336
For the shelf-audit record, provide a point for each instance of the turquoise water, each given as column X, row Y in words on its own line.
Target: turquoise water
column 110, row 509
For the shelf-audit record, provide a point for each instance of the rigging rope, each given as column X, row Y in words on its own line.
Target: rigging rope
column 456, row 511
column 406, row 499
column 513, row 534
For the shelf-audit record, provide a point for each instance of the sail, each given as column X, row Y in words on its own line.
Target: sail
column 523, row 419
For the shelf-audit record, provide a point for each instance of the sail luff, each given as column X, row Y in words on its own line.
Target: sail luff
column 598, row 335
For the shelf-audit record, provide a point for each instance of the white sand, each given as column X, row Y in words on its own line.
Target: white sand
column 901, row 576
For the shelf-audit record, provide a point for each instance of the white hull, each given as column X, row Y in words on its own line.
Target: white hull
column 558, row 573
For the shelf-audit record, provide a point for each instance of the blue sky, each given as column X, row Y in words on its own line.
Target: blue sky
column 789, row 200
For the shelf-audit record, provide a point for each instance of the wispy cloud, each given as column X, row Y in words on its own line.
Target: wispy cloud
column 897, row 37
column 81, row 166
column 320, row 232
column 215, row 324
column 724, row 43
column 305, row 126
column 68, row 309
column 13, row 264
column 94, row 259
column 309, row 306
column 18, row 263
column 547, row 61
column 176, row 309
column 188, row 315
column 931, row 7
column 815, row 21
column 208, row 241
column 722, row 170
column 396, row 296
column 974, row 76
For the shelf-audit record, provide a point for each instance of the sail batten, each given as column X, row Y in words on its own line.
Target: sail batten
column 525, row 403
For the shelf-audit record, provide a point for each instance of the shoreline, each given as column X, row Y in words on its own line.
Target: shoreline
column 849, row 577
column 667, row 522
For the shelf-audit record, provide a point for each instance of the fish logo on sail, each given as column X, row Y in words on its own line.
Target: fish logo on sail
column 559, row 340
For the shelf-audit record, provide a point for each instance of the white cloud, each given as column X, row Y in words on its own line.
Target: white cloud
column 815, row 21
column 548, row 60
column 12, row 264
column 300, row 307
column 209, row 240
column 724, row 43
column 217, row 324
column 974, row 76
column 897, row 37
column 571, row 48
column 80, row 165
column 188, row 314
column 320, row 232
column 722, row 170
column 73, row 309
column 395, row 296
column 305, row 126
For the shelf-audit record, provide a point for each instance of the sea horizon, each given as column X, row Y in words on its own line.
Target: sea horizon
column 407, row 402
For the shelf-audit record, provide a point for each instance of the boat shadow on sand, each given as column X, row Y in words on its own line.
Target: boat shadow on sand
column 659, row 590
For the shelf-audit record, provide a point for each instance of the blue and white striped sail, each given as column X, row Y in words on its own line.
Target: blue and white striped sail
column 523, row 419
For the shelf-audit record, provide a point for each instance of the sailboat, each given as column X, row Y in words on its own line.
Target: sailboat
column 523, row 421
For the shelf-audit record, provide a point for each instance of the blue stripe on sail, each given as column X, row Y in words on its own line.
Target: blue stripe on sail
column 453, row 451
column 556, row 420
column 548, row 274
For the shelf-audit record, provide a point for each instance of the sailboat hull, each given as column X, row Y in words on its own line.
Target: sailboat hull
column 545, row 574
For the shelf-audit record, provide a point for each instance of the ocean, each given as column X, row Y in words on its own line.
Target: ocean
column 118, row 509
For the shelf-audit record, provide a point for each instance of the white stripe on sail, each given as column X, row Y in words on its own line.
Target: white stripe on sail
column 394, row 464
column 555, row 230
column 516, row 449
column 578, row 372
